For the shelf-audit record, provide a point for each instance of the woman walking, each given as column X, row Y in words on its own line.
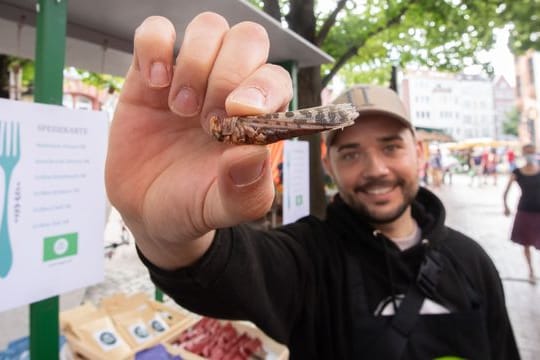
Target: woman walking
column 526, row 229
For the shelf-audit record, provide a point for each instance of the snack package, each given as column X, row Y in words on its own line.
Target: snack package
column 69, row 319
column 171, row 315
column 155, row 322
column 138, row 301
column 133, row 328
column 120, row 303
column 101, row 335
column 113, row 303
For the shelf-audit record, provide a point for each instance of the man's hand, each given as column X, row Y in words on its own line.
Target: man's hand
column 171, row 181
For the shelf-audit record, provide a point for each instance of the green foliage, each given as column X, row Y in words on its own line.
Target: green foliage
column 26, row 66
column 442, row 35
column 369, row 36
column 524, row 17
column 511, row 123
column 101, row 81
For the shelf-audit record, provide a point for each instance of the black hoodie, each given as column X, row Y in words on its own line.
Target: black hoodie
column 317, row 286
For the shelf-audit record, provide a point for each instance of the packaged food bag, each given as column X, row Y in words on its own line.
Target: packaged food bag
column 101, row 335
column 133, row 328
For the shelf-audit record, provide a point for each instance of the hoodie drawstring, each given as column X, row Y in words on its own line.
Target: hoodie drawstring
column 377, row 234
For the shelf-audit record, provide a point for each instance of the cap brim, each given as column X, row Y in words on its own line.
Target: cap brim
column 331, row 135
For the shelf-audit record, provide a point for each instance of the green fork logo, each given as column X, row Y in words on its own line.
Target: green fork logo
column 11, row 153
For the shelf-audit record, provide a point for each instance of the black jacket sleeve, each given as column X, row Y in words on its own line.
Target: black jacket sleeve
column 245, row 275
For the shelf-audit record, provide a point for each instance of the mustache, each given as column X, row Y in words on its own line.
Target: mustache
column 378, row 183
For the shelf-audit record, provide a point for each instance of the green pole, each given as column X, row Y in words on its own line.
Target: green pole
column 292, row 68
column 50, row 51
column 49, row 77
column 158, row 295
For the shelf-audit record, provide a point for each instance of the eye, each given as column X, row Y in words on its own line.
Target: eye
column 349, row 156
column 390, row 148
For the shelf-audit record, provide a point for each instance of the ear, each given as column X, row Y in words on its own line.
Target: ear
column 420, row 152
column 327, row 164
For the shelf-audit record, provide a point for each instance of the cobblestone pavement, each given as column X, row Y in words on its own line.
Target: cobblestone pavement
column 476, row 211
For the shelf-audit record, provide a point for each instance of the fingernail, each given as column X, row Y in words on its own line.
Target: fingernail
column 251, row 96
column 159, row 76
column 247, row 174
column 186, row 103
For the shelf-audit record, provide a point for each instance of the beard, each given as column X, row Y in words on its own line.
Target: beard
column 377, row 217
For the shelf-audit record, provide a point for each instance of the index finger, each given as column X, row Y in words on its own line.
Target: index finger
column 149, row 76
column 200, row 47
column 244, row 50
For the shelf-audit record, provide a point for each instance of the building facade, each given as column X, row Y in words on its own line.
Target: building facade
column 504, row 101
column 460, row 105
column 527, row 91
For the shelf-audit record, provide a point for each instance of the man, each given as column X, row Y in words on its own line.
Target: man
column 327, row 289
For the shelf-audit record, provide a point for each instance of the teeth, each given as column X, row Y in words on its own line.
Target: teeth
column 379, row 191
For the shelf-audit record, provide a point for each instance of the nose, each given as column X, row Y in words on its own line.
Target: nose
column 375, row 166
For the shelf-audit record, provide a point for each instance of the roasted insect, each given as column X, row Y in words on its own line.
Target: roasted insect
column 269, row 128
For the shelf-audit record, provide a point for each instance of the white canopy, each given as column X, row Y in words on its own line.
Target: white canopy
column 100, row 32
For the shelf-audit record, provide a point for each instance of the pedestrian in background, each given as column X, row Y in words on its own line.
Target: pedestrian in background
column 511, row 158
column 492, row 159
column 435, row 164
column 526, row 228
column 476, row 167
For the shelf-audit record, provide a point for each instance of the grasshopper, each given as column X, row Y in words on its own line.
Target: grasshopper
column 268, row 128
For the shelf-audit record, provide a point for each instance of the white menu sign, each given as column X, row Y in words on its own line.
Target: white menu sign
column 52, row 200
column 295, row 180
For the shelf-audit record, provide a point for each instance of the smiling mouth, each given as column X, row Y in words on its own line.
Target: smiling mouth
column 379, row 190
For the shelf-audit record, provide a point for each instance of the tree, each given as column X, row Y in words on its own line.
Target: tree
column 524, row 19
column 366, row 38
column 10, row 63
column 511, row 123
column 102, row 81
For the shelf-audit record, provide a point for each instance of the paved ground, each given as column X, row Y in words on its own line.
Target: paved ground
column 477, row 211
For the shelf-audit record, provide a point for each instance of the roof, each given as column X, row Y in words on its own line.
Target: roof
column 432, row 134
column 100, row 32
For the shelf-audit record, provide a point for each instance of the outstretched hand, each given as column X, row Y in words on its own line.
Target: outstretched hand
column 171, row 181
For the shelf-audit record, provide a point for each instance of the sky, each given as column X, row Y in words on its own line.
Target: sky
column 501, row 58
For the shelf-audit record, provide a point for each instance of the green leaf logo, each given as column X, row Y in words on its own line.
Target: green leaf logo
column 60, row 246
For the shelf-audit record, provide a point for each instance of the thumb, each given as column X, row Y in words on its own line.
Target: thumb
column 245, row 188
